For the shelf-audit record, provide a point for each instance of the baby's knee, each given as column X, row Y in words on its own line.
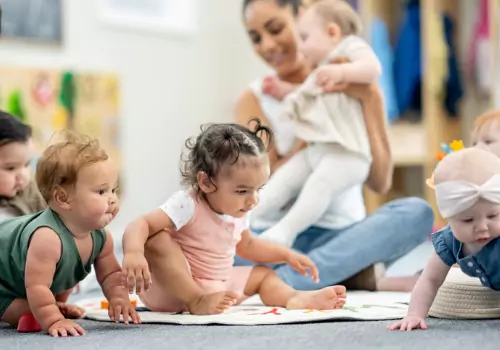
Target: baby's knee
column 159, row 243
column 262, row 271
column 15, row 309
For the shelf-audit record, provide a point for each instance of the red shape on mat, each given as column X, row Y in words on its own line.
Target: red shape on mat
column 28, row 324
column 273, row 311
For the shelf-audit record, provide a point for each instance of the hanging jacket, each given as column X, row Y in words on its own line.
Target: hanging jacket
column 408, row 60
column 381, row 45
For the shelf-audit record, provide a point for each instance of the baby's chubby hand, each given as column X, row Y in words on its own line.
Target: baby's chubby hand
column 408, row 323
column 328, row 76
column 121, row 305
column 276, row 88
column 302, row 264
column 135, row 267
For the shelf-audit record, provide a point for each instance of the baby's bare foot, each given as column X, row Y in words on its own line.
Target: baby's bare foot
column 70, row 311
column 324, row 299
column 212, row 304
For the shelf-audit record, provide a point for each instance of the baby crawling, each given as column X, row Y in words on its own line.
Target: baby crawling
column 467, row 185
column 180, row 256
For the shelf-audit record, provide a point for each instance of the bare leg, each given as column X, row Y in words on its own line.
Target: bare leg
column 170, row 275
column 397, row 284
column 18, row 308
column 68, row 310
column 274, row 292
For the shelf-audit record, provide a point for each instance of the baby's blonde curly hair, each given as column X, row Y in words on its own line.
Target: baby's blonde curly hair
column 62, row 160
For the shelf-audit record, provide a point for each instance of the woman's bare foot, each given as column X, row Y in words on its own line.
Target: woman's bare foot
column 212, row 304
column 324, row 299
column 397, row 284
column 70, row 311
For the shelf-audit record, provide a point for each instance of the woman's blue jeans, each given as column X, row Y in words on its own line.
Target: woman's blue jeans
column 386, row 235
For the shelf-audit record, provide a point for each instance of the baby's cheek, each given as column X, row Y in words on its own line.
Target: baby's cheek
column 494, row 148
column 459, row 229
column 495, row 228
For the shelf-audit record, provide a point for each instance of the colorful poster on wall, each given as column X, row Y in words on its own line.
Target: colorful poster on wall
column 50, row 101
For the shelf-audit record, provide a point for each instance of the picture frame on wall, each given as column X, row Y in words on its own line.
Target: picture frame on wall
column 170, row 17
column 36, row 21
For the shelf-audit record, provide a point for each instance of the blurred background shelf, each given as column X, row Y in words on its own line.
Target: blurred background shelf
column 415, row 144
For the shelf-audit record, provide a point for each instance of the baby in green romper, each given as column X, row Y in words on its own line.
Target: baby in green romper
column 44, row 255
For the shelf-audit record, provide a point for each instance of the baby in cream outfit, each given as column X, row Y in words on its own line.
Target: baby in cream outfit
column 338, row 155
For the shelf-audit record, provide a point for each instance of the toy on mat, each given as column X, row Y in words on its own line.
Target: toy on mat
column 105, row 304
column 454, row 146
column 28, row 324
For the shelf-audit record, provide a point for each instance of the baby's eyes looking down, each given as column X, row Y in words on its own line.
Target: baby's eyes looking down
column 235, row 191
column 480, row 223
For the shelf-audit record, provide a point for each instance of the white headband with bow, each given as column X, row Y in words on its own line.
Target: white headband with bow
column 454, row 197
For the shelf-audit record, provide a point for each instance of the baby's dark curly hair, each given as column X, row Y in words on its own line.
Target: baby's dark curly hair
column 222, row 144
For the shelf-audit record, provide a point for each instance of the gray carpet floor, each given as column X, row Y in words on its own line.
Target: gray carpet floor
column 442, row 335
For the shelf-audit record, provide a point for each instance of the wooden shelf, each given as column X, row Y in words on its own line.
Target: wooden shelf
column 408, row 144
column 417, row 144
column 494, row 13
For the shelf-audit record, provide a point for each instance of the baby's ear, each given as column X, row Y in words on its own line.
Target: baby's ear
column 205, row 183
column 61, row 197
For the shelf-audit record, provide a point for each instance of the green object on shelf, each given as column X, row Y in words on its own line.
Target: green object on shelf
column 67, row 95
column 14, row 106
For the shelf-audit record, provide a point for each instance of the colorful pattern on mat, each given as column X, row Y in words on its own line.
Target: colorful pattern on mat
column 359, row 306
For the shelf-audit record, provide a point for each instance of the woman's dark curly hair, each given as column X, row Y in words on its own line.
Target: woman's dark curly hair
column 294, row 4
column 222, row 144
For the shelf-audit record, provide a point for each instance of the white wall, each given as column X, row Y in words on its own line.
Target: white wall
column 170, row 85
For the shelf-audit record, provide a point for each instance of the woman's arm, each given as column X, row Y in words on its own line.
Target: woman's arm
column 380, row 177
column 248, row 107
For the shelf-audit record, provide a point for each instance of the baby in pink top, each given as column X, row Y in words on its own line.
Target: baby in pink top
column 179, row 257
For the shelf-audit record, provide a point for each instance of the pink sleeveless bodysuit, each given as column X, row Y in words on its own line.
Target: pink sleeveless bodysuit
column 209, row 242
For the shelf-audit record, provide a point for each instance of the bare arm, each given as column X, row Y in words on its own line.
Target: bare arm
column 427, row 286
column 108, row 271
column 43, row 255
column 259, row 251
column 380, row 177
column 247, row 107
column 363, row 66
column 137, row 233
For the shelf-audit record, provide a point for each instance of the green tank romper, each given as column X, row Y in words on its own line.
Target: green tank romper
column 15, row 236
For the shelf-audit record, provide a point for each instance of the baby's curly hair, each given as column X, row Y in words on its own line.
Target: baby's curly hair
column 222, row 144
column 61, row 161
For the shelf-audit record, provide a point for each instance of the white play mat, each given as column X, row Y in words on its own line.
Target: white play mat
column 359, row 306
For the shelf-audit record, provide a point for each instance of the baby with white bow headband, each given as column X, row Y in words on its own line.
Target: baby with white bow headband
column 467, row 187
